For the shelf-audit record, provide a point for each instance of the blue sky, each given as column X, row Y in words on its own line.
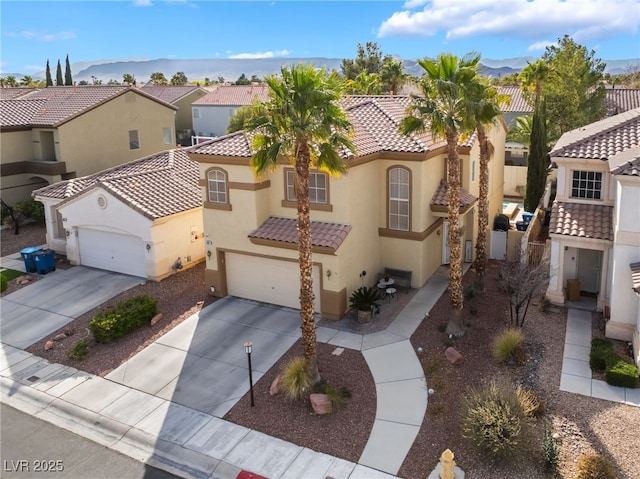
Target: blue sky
column 34, row 31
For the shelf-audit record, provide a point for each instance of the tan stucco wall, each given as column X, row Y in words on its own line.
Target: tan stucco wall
column 184, row 116
column 14, row 145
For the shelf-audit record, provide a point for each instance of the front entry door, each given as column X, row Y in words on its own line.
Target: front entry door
column 589, row 266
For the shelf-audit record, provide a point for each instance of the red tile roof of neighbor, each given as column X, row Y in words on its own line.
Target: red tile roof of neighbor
column 234, row 95
column 618, row 100
column 323, row 234
column 585, row 220
column 170, row 94
column 626, row 162
column 14, row 92
column 441, row 197
column 375, row 120
column 19, row 112
column 67, row 102
column 601, row 140
column 156, row 186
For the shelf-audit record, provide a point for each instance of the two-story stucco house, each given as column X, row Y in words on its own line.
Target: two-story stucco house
column 595, row 226
column 181, row 97
column 388, row 210
column 212, row 112
column 56, row 133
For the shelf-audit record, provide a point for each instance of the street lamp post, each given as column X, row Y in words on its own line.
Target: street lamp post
column 247, row 348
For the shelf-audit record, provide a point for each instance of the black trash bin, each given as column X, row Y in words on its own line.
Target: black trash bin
column 45, row 261
column 28, row 257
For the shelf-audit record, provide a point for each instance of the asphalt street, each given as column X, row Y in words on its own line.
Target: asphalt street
column 31, row 448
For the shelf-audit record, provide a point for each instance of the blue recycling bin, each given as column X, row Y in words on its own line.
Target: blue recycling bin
column 27, row 256
column 45, row 261
column 526, row 217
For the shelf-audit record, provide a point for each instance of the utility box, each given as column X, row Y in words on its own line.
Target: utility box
column 573, row 290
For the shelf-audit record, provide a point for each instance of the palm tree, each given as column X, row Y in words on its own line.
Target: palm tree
column 521, row 133
column 27, row 80
column 393, row 75
column 364, row 84
column 128, row 78
column 11, row 81
column 302, row 123
column 443, row 106
column 486, row 109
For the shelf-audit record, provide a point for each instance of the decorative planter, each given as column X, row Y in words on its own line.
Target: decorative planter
column 364, row 316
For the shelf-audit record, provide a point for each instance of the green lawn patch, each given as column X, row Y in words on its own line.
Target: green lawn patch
column 11, row 274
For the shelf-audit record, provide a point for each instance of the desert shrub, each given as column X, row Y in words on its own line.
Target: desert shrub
column 296, row 380
column 622, row 373
column 123, row 318
column 507, row 345
column 79, row 351
column 532, row 405
column 493, row 419
column 595, row 466
column 550, row 450
column 601, row 352
column 22, row 210
column 4, row 282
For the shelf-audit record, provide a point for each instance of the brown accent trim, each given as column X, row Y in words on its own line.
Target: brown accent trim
column 313, row 206
column 333, row 304
column 51, row 168
column 217, row 206
column 411, row 235
column 220, row 160
column 236, row 185
column 283, row 245
column 445, row 209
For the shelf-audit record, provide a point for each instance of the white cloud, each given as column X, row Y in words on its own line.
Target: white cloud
column 270, row 54
column 540, row 45
column 44, row 37
column 141, row 3
column 582, row 19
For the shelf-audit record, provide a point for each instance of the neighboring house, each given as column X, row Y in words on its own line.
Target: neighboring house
column 388, row 210
column 181, row 97
column 57, row 133
column 142, row 218
column 212, row 112
column 595, row 225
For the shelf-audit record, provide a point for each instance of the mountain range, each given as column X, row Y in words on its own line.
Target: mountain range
column 232, row 69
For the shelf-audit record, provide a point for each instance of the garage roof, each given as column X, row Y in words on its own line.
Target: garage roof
column 156, row 186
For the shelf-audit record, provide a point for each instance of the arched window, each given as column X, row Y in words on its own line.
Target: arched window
column 399, row 195
column 217, row 186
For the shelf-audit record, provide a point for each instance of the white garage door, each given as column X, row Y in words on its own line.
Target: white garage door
column 268, row 280
column 112, row 251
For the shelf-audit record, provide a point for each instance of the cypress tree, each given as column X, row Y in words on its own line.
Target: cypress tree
column 68, row 81
column 59, row 81
column 49, row 79
column 537, row 162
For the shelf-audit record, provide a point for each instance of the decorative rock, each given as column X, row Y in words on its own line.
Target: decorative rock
column 275, row 386
column 453, row 355
column 59, row 337
column 69, row 331
column 49, row 345
column 21, row 280
column 156, row 319
column 320, row 403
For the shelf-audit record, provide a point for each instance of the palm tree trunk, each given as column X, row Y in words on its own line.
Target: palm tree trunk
column 480, row 263
column 307, row 312
column 455, row 326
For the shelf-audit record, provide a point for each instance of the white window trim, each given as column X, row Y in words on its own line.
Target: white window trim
column 313, row 190
column 396, row 219
column 586, row 190
column 220, row 194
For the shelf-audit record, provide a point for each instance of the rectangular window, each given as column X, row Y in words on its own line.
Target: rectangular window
column 217, row 181
column 587, row 184
column 167, row 136
column 399, row 199
column 134, row 140
column 317, row 187
column 473, row 170
column 196, row 113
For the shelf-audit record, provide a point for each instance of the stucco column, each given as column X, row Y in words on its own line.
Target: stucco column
column 555, row 293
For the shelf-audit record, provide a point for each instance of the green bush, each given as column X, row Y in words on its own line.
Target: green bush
column 550, row 450
column 296, row 379
column 493, row 419
column 79, row 351
column 595, row 466
column 601, row 353
column 622, row 373
column 123, row 318
column 508, row 345
column 4, row 282
column 24, row 209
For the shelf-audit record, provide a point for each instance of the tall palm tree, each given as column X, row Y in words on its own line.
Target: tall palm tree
column 27, row 80
column 302, row 123
column 486, row 110
column 443, row 108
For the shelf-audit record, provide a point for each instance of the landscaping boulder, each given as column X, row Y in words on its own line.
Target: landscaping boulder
column 60, row 337
column 49, row 345
column 320, row 403
column 453, row 355
column 275, row 386
column 156, row 319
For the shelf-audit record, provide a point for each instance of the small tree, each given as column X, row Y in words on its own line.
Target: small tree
column 521, row 278
column 179, row 79
column 158, row 79
column 68, row 80
column 243, row 80
column 59, row 80
column 48, row 75
column 129, row 79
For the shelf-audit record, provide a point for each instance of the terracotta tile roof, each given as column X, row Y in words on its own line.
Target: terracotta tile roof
column 626, row 162
column 323, row 234
column 234, row 95
column 234, row 144
column 159, row 185
column 15, row 113
column 585, row 220
column 635, row 276
column 517, row 103
column 619, row 100
column 14, row 92
column 66, row 102
column 440, row 198
column 171, row 94
column 602, row 139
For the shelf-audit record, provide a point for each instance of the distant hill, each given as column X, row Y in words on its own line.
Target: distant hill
column 231, row 69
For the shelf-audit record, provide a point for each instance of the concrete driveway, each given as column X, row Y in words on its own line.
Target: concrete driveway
column 33, row 312
column 202, row 363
